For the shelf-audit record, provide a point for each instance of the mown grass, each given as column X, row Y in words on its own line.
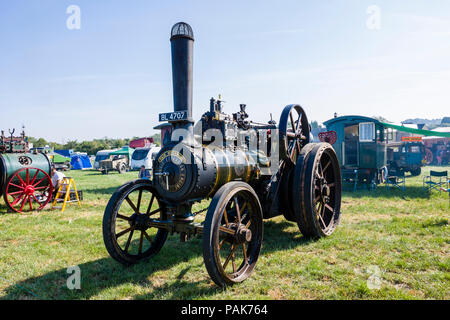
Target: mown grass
column 389, row 245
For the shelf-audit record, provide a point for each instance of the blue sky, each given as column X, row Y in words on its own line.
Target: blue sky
column 113, row 75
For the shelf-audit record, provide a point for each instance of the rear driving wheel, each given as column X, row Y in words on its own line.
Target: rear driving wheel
column 317, row 191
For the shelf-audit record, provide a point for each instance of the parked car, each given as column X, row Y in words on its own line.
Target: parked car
column 60, row 162
column 143, row 157
column 102, row 155
column 115, row 162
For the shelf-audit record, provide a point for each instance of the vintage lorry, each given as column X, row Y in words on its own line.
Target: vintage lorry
column 406, row 156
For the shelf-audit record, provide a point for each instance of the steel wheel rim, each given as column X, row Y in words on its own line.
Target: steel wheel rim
column 32, row 193
column 325, row 199
column 247, row 218
column 133, row 223
column 294, row 132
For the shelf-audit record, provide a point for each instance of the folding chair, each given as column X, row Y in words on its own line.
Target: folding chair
column 396, row 178
column 350, row 179
column 429, row 184
column 447, row 190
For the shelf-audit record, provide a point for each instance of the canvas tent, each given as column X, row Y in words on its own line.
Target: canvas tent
column 429, row 133
column 65, row 153
column 80, row 161
column 127, row 151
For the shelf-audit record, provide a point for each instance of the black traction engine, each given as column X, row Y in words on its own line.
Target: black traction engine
column 250, row 171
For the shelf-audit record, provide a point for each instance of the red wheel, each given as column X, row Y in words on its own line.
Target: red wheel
column 28, row 188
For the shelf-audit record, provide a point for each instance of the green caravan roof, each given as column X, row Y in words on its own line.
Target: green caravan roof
column 351, row 118
column 124, row 151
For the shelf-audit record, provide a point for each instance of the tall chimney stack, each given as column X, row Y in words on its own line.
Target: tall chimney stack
column 182, row 42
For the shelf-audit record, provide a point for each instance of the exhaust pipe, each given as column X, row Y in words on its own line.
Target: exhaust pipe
column 182, row 43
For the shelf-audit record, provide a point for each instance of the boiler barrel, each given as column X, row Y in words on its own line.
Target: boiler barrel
column 181, row 174
column 11, row 162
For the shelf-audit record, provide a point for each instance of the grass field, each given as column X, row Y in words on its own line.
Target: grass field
column 389, row 245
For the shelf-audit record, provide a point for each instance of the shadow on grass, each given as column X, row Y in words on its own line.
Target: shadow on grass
column 101, row 191
column 99, row 173
column 103, row 274
column 415, row 192
column 3, row 209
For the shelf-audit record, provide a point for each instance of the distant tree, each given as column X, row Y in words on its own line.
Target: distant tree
column 314, row 125
column 39, row 143
column 71, row 144
column 56, row 146
column 381, row 119
column 157, row 138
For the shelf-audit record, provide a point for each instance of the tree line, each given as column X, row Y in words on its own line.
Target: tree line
column 90, row 147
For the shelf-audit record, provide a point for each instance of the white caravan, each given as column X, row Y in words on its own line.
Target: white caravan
column 143, row 157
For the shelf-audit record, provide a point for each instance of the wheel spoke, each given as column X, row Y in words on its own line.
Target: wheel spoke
column 221, row 243
column 18, row 176
column 16, row 200
column 123, row 217
column 139, row 200
column 14, row 193
column 129, row 241
column 233, row 262
column 29, row 202
column 319, row 208
column 35, row 199
column 131, row 204
column 323, row 222
column 28, row 176
column 124, row 231
column 36, row 184
column 22, row 203
column 150, row 205
column 320, row 170
column 154, row 211
column 15, row 185
column 225, row 215
column 329, row 207
column 326, row 166
column 236, row 202
column 147, row 237
column 292, row 122
column 243, row 209
column 299, row 122
column 229, row 257
column 292, row 151
column 34, row 177
column 245, row 252
column 317, row 173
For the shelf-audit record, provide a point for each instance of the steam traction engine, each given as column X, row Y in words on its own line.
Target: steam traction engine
column 251, row 171
column 24, row 177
